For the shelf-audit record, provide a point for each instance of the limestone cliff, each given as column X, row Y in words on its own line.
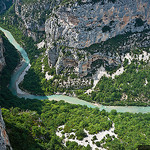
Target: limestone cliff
column 81, row 25
column 78, row 24
column 2, row 59
column 4, row 140
column 34, row 14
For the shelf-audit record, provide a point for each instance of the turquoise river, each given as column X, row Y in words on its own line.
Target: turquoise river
column 18, row 71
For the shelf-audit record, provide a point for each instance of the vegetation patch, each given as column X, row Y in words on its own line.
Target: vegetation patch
column 32, row 124
column 106, row 29
column 139, row 22
column 131, row 83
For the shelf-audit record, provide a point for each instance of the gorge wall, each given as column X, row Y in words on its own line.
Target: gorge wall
column 81, row 25
column 2, row 59
column 4, row 140
column 76, row 25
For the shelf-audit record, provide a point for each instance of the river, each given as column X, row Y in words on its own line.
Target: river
column 18, row 72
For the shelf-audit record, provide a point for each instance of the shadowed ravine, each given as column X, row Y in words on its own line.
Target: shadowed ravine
column 19, row 70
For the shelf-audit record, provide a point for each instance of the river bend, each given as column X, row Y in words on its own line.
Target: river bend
column 19, row 71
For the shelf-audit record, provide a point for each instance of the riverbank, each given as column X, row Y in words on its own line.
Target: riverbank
column 72, row 100
column 20, row 79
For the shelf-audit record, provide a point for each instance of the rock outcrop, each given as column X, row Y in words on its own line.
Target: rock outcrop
column 78, row 24
column 53, row 54
column 4, row 140
column 81, row 25
column 2, row 59
column 34, row 14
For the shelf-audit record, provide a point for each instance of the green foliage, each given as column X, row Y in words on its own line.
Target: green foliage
column 81, row 134
column 98, row 144
column 35, row 82
column 32, row 124
column 94, row 138
column 68, row 53
column 32, row 130
column 111, row 45
column 12, row 59
column 112, row 68
column 107, row 91
column 131, row 83
column 75, row 146
column 113, row 112
column 125, row 62
column 95, row 65
column 27, row 131
column 80, row 56
column 139, row 22
column 91, row 120
column 8, row 100
column 26, row 42
column 106, row 29
column 73, row 76
column 132, row 130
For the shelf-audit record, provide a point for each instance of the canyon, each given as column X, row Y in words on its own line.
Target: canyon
column 74, row 26
column 2, row 59
column 78, row 39
column 4, row 140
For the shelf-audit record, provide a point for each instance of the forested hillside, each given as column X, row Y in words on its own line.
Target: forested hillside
column 32, row 124
column 37, row 129
column 96, row 50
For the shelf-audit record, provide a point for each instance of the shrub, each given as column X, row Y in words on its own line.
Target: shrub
column 106, row 29
column 138, row 22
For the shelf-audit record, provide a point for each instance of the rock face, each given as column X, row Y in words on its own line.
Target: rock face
column 34, row 14
column 4, row 141
column 81, row 25
column 53, row 54
column 2, row 59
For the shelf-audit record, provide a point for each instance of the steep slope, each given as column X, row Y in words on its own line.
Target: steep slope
column 81, row 25
column 4, row 140
column 74, row 25
column 9, row 58
column 34, row 14
column 85, row 40
column 2, row 59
